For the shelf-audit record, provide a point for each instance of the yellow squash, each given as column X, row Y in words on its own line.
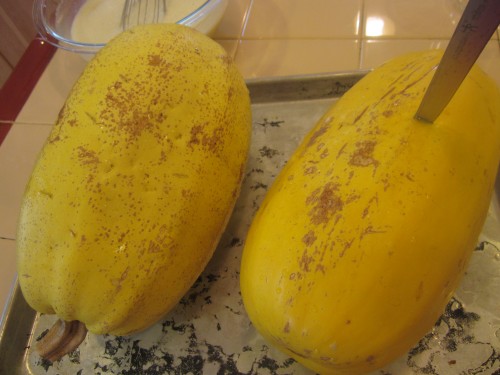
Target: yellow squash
column 136, row 182
column 364, row 236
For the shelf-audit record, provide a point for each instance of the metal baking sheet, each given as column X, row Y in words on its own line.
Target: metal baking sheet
column 209, row 331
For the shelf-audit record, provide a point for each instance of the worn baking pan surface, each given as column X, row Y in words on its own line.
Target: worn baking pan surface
column 209, row 331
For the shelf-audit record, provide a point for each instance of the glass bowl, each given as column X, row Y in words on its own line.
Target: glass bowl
column 54, row 21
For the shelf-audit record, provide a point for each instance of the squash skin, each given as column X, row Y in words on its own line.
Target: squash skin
column 136, row 182
column 366, row 232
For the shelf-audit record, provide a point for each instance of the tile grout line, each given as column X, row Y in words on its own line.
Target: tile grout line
column 25, row 123
column 361, row 31
column 243, row 27
column 347, row 37
column 246, row 18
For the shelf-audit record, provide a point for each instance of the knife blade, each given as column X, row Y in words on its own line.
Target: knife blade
column 475, row 28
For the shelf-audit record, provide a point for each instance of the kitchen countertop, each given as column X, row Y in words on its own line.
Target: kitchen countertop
column 265, row 38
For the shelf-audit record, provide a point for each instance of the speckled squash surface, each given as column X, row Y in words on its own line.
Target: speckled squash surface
column 365, row 234
column 136, row 182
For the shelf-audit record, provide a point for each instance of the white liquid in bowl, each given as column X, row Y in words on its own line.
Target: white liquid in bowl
column 98, row 21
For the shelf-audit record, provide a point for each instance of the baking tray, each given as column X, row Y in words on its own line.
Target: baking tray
column 209, row 331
